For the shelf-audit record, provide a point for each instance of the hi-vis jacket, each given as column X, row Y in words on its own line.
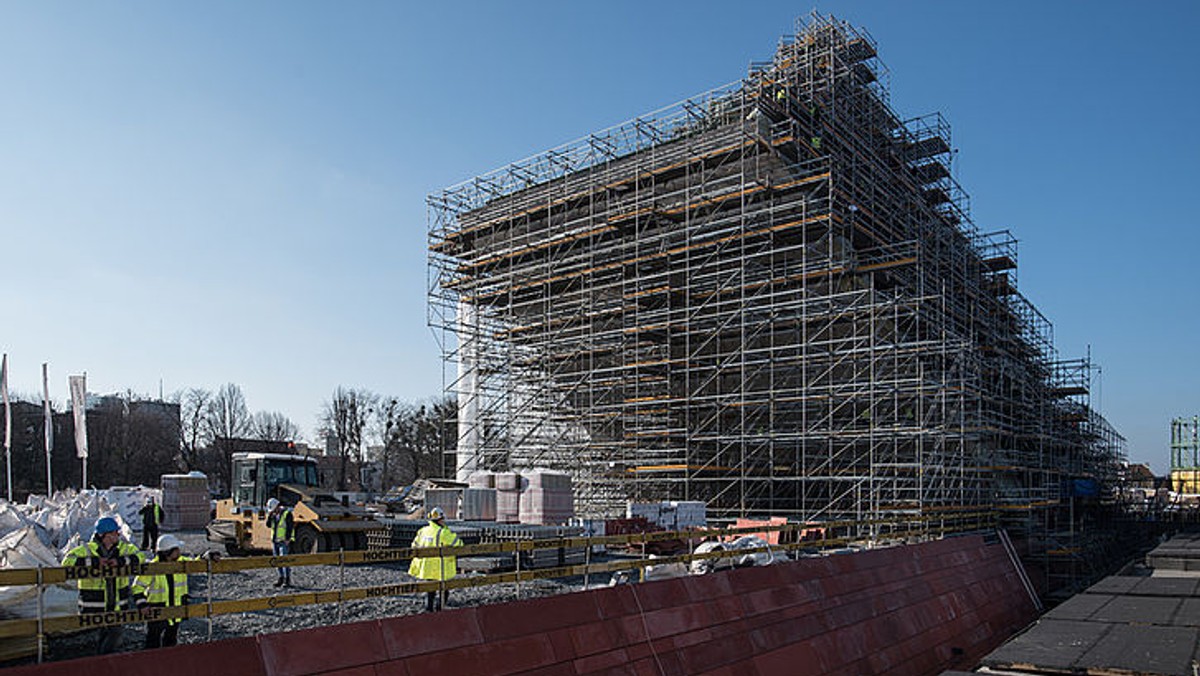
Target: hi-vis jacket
column 434, row 567
column 164, row 591
column 282, row 526
column 105, row 594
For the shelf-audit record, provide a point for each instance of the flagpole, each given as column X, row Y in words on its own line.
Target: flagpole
column 49, row 435
column 7, row 424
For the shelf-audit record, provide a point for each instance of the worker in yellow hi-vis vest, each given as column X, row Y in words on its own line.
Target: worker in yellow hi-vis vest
column 100, row 596
column 436, row 534
column 166, row 591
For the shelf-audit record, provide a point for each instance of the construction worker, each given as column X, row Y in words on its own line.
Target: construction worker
column 100, row 595
column 436, row 534
column 152, row 516
column 283, row 531
column 165, row 591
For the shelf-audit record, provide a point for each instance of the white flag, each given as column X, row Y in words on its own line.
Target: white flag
column 79, row 408
column 49, row 424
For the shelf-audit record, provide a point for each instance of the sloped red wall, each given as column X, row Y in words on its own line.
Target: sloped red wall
column 918, row 609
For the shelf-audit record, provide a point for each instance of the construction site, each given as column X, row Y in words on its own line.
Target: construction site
column 741, row 388
column 771, row 298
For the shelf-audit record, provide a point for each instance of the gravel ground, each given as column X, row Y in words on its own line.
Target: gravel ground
column 258, row 583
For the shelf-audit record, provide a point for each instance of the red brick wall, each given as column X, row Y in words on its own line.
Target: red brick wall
column 918, row 609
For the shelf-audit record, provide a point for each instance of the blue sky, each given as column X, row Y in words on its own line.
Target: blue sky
column 222, row 192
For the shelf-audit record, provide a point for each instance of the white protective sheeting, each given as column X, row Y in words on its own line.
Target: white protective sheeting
column 42, row 531
column 762, row 558
column 22, row 548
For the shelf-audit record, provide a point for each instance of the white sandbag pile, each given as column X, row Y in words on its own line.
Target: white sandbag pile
column 42, row 531
column 67, row 518
column 22, row 548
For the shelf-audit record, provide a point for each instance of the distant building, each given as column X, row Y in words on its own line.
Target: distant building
column 1139, row 476
column 1185, row 454
column 129, row 442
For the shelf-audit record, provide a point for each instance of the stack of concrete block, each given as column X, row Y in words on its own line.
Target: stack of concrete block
column 449, row 499
column 479, row 504
column 591, row 528
column 548, row 499
column 482, row 480
column 670, row 515
column 508, row 496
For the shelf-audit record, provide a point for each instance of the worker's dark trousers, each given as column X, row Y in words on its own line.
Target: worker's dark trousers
column 149, row 537
column 435, row 601
column 161, row 634
column 110, row 639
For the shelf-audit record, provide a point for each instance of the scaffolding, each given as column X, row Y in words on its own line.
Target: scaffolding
column 770, row 297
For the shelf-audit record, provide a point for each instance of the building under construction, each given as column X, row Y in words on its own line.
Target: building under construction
column 1185, row 454
column 770, row 297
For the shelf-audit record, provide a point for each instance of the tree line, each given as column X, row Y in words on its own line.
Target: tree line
column 134, row 440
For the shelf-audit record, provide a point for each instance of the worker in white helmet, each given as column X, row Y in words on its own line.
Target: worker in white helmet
column 436, row 534
column 168, row 590
column 282, row 525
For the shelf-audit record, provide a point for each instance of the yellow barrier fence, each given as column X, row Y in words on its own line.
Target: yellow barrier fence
column 902, row 528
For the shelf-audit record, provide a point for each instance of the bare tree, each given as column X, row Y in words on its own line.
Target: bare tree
column 438, row 436
column 416, row 438
column 226, row 418
column 273, row 426
column 193, row 412
column 389, row 414
column 344, row 417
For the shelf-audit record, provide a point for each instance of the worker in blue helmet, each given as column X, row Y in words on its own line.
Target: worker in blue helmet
column 105, row 566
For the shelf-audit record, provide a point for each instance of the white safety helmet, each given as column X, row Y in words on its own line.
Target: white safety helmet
column 272, row 504
column 168, row 542
column 436, row 514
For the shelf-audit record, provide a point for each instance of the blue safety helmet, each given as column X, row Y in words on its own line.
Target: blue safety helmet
column 106, row 525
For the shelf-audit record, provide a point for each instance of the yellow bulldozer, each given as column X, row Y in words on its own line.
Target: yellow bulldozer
column 323, row 522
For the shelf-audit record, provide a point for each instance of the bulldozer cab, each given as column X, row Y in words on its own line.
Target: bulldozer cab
column 323, row 522
column 257, row 477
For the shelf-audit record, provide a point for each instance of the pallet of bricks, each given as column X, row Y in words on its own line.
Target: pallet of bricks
column 537, row 497
column 185, row 501
column 479, row 500
column 508, row 496
column 547, row 499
